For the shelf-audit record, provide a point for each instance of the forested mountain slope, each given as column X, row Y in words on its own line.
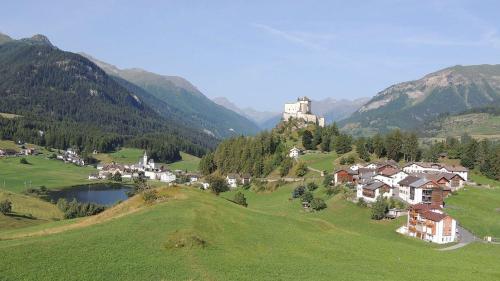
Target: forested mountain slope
column 66, row 100
column 177, row 98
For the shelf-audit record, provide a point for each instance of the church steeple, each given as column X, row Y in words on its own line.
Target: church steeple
column 145, row 158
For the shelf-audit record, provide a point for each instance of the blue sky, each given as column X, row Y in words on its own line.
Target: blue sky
column 264, row 53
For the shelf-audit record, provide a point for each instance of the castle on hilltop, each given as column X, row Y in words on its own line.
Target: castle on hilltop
column 302, row 110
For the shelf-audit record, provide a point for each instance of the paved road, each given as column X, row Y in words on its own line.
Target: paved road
column 465, row 238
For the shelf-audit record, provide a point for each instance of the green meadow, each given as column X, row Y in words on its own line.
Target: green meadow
column 122, row 156
column 199, row 236
column 40, row 171
column 477, row 209
column 188, row 163
column 320, row 161
column 27, row 211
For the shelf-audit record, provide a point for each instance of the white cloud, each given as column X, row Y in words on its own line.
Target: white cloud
column 309, row 40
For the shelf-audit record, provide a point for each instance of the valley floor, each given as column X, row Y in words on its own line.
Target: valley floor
column 196, row 235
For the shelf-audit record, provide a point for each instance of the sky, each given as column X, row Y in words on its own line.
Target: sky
column 265, row 53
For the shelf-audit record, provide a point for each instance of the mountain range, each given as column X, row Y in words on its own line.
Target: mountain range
column 411, row 104
column 177, row 98
column 332, row 109
column 75, row 103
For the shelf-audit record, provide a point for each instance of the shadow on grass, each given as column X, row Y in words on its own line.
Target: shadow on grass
column 20, row 216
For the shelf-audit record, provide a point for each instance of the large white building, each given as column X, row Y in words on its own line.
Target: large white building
column 429, row 223
column 302, row 110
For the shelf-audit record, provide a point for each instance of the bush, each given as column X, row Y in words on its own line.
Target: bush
column 362, row 203
column 298, row 191
column 116, row 177
column 392, row 203
column 239, row 198
column 5, row 207
column 217, row 184
column 312, row 186
column 23, row 161
column 307, row 197
column 301, row 169
column 76, row 209
column 380, row 208
column 328, row 180
column 318, row 204
column 246, row 186
column 149, row 196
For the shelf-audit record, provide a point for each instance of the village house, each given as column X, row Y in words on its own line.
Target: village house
column 425, row 167
column 342, row 176
column 246, row 179
column 415, row 190
column 71, row 156
column 450, row 181
column 425, row 181
column 28, row 151
column 7, row 152
column 370, row 192
column 193, row 178
column 294, row 153
column 391, row 176
column 167, row 176
column 232, row 180
column 429, row 223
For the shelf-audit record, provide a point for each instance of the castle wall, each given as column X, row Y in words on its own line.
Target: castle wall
column 292, row 108
column 302, row 110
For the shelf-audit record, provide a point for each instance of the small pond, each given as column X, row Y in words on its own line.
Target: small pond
column 99, row 193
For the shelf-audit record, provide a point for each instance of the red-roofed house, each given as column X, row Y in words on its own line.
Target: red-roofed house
column 429, row 223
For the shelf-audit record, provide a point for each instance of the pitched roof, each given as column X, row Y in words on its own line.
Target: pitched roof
column 433, row 216
column 447, row 176
column 455, row 168
column 425, row 207
column 408, row 180
column 388, row 171
column 349, row 171
column 420, row 182
column 374, row 185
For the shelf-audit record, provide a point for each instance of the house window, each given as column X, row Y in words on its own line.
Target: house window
column 412, row 193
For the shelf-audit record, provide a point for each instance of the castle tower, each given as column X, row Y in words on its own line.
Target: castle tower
column 305, row 105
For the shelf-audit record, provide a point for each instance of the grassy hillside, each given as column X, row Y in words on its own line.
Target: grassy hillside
column 27, row 211
column 122, row 156
column 199, row 236
column 477, row 209
column 478, row 125
column 320, row 161
column 188, row 162
column 16, row 177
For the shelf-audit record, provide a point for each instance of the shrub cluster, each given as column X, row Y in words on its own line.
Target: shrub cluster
column 75, row 209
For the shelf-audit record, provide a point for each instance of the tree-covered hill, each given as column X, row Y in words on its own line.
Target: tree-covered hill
column 67, row 100
column 409, row 105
